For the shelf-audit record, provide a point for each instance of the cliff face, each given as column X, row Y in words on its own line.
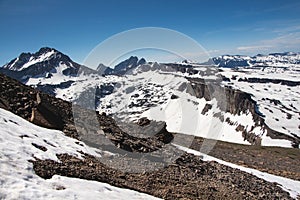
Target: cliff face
column 237, row 102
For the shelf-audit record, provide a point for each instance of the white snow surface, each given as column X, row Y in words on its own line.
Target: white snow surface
column 56, row 78
column 289, row 185
column 32, row 61
column 18, row 180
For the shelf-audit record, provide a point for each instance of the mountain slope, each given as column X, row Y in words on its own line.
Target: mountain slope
column 25, row 148
column 167, row 92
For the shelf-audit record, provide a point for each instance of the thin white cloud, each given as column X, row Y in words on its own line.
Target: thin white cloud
column 293, row 28
column 253, row 48
column 286, row 42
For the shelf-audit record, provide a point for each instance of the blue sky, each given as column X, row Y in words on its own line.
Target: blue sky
column 221, row 27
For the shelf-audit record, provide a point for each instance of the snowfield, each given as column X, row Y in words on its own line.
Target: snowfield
column 18, row 180
column 280, row 104
column 56, row 78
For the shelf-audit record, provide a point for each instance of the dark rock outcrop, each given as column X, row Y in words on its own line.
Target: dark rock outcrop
column 144, row 121
column 50, row 88
column 46, row 115
column 267, row 80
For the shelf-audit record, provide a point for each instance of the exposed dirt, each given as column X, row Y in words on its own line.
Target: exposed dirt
column 274, row 160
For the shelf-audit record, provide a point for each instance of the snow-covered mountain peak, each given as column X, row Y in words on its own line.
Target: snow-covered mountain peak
column 46, row 65
column 45, row 54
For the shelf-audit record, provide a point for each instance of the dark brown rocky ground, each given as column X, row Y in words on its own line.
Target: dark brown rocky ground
column 274, row 160
column 187, row 177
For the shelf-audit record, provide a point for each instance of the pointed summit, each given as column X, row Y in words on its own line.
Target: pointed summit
column 126, row 65
column 42, row 64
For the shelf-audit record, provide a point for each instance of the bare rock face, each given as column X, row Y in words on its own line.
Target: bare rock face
column 45, row 115
column 267, row 80
column 31, row 105
column 4, row 104
column 143, row 121
column 16, row 97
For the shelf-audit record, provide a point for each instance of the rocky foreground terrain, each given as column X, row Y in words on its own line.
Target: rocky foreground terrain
column 187, row 177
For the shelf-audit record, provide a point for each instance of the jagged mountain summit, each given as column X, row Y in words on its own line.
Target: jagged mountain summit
column 45, row 66
column 45, row 54
column 124, row 67
column 44, row 63
column 259, row 110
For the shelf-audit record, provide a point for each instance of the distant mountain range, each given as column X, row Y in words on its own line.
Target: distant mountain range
column 48, row 61
column 259, row 109
column 274, row 59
